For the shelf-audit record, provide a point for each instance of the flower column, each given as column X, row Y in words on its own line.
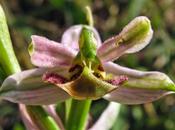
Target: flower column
column 79, row 110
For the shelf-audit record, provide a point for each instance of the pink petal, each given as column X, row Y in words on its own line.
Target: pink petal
column 28, row 88
column 71, row 36
column 48, row 53
column 52, row 112
column 133, row 96
column 141, row 87
column 30, row 125
column 116, row 46
column 45, row 96
column 116, row 69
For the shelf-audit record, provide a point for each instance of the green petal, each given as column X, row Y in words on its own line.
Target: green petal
column 141, row 87
column 134, row 37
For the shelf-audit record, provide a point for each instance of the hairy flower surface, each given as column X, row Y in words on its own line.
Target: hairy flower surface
column 81, row 67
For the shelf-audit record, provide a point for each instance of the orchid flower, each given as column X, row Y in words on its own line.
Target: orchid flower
column 82, row 67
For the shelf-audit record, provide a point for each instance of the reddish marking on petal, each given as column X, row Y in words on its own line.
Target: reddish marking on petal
column 53, row 78
column 118, row 80
column 78, row 67
column 75, row 71
column 100, row 68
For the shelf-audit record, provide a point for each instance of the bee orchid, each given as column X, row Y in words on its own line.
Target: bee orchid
column 82, row 67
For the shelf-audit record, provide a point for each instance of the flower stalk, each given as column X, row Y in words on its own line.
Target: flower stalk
column 78, row 114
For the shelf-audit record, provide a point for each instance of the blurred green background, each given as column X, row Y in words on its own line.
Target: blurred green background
column 51, row 17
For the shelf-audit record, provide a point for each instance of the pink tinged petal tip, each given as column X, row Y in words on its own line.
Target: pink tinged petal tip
column 134, row 37
column 118, row 80
column 141, row 87
column 28, row 88
column 71, row 37
column 48, row 53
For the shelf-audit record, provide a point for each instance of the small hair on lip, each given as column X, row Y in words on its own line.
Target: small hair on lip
column 118, row 80
column 53, row 78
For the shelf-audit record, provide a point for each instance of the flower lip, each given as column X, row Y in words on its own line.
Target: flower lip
column 86, row 86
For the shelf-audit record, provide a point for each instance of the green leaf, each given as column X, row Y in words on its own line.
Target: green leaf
column 2, row 75
column 7, row 57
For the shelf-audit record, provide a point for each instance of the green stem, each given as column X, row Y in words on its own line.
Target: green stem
column 78, row 115
column 63, row 109
column 9, row 64
column 67, row 108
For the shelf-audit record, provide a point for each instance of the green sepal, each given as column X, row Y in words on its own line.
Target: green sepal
column 151, row 81
column 135, row 32
column 87, row 55
column 30, row 48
